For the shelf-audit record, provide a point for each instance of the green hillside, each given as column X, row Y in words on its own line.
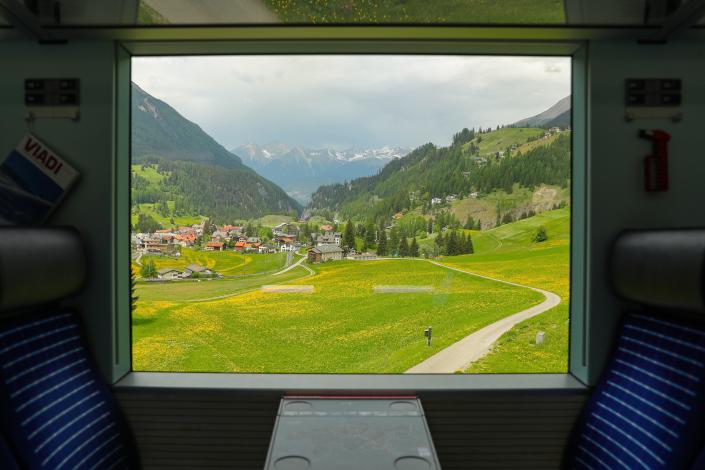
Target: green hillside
column 460, row 169
column 500, row 139
column 186, row 166
column 509, row 253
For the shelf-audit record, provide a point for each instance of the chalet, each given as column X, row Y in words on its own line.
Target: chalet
column 326, row 228
column 168, row 273
column 254, row 240
column 553, row 130
column 185, row 239
column 324, row 253
column 436, row 200
column 214, row 246
column 474, row 195
column 451, row 197
column 240, row 246
column 286, row 239
column 192, row 269
column 329, row 239
column 267, row 248
column 220, row 235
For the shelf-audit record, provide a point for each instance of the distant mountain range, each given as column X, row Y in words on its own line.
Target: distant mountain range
column 204, row 178
column 300, row 170
column 557, row 115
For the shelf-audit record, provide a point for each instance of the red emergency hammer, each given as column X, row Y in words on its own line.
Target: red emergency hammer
column 656, row 164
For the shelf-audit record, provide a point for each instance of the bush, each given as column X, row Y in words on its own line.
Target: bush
column 540, row 235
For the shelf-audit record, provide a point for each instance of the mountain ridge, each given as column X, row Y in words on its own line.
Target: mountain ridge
column 557, row 115
column 203, row 177
column 301, row 170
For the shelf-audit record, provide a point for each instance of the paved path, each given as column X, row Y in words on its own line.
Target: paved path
column 213, row 11
column 459, row 355
column 298, row 263
column 310, row 273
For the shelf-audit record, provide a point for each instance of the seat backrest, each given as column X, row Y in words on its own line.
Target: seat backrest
column 699, row 463
column 648, row 410
column 55, row 409
column 7, row 457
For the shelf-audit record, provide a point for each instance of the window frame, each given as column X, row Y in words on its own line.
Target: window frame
column 577, row 375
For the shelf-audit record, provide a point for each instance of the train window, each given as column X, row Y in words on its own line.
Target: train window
column 159, row 12
column 351, row 213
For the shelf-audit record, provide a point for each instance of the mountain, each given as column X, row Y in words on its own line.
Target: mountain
column 557, row 115
column 203, row 178
column 300, row 170
column 430, row 172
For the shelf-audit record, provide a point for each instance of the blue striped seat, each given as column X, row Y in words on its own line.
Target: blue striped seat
column 648, row 412
column 7, row 458
column 56, row 410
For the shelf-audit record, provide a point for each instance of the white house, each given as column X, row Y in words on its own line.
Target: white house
column 436, row 200
column 284, row 247
column 168, row 274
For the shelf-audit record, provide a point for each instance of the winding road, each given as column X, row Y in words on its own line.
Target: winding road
column 459, row 355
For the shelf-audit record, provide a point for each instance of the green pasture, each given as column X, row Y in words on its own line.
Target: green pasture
column 227, row 263
column 508, row 253
column 190, row 290
column 342, row 327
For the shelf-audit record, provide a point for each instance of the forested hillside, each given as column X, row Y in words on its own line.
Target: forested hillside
column 199, row 175
column 460, row 169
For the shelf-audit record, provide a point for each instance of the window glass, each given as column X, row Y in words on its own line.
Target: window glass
column 354, row 11
column 351, row 214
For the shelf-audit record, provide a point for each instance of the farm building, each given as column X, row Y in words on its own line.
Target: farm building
column 192, row 269
column 215, row 246
column 324, row 253
column 168, row 273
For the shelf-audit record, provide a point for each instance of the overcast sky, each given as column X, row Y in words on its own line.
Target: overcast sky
column 345, row 101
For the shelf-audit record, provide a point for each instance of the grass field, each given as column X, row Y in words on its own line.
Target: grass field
column 344, row 326
column 508, row 253
column 198, row 290
column 499, row 140
column 226, row 263
column 420, row 11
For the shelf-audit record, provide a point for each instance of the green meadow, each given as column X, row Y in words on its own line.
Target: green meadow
column 508, row 253
column 226, row 263
column 343, row 326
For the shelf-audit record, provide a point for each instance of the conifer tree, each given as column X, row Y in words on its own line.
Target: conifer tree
column 452, row 244
column 382, row 243
column 414, row 248
column 403, row 247
column 349, row 236
column 469, row 248
column 393, row 242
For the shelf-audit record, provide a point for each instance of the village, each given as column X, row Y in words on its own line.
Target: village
column 320, row 246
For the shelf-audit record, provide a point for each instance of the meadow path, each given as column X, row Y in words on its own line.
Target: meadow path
column 311, row 272
column 459, row 355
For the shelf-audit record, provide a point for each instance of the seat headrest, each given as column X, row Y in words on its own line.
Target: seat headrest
column 39, row 265
column 661, row 268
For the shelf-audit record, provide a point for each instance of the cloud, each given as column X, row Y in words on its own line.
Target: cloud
column 345, row 101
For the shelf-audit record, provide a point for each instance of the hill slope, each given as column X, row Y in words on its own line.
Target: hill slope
column 557, row 115
column 431, row 172
column 199, row 175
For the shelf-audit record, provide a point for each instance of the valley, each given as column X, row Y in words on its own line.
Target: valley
column 285, row 259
